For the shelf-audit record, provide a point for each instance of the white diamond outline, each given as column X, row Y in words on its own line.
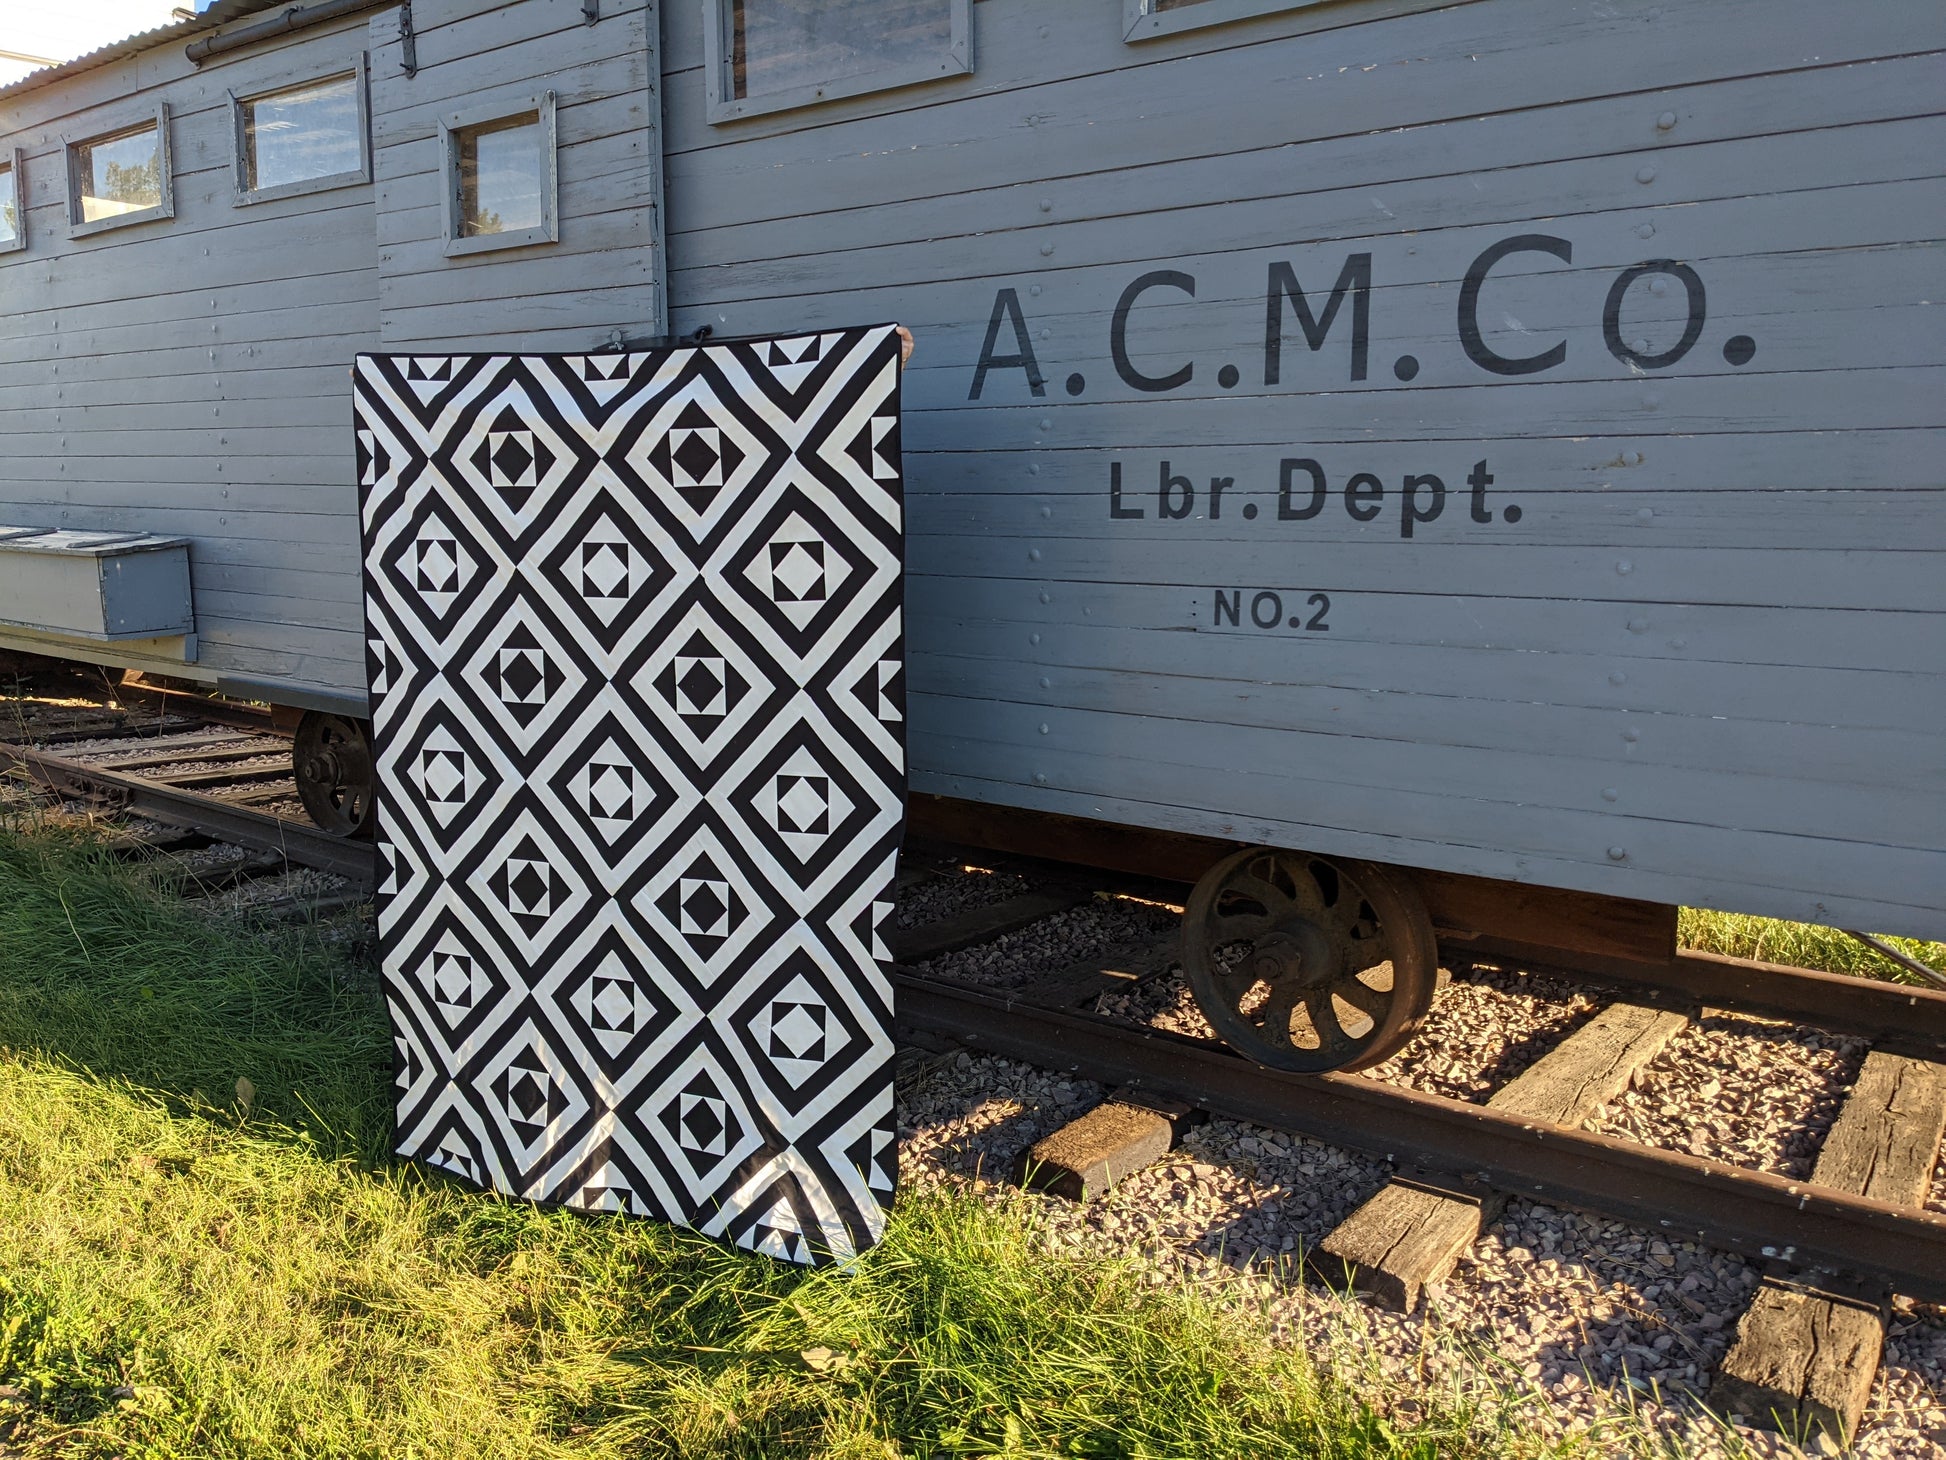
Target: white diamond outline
column 524, row 825
column 496, row 569
column 883, row 802
column 607, row 490
column 536, row 1155
column 398, row 742
column 574, row 679
column 703, row 751
column 731, row 495
column 707, row 1185
column 614, row 872
column 740, row 594
column 516, row 392
column 864, row 1053
column 761, row 914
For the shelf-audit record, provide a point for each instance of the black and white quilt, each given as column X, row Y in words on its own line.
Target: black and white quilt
column 635, row 658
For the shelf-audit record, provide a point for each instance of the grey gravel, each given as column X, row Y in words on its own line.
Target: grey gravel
column 1054, row 942
column 953, row 891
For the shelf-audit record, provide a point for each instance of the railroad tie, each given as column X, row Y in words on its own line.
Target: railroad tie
column 1091, row 1155
column 1412, row 1233
column 1805, row 1356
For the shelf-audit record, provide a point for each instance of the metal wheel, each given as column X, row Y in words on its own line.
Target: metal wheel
column 333, row 758
column 1304, row 963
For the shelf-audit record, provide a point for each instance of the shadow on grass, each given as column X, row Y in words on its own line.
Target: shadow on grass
column 103, row 971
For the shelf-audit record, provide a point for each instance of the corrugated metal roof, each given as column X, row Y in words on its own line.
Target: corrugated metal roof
column 221, row 13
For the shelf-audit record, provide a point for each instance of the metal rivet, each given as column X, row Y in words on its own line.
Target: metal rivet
column 1617, row 677
column 1638, row 625
column 1033, row 468
column 1046, row 249
column 1645, row 175
column 1040, row 778
column 1624, row 567
column 1034, row 289
column 1609, row 793
column 1043, row 727
column 1658, row 286
column 1647, row 230
column 1046, row 513
column 1045, row 682
column 1664, row 122
column 1047, row 205
column 1033, row 555
column 1641, row 347
column 1679, row 643
column 1651, row 400
column 1617, row 854
column 1047, row 334
column 1645, row 514
column 1047, row 598
column 1033, row 638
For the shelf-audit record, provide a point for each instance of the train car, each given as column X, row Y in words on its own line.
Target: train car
column 1459, row 466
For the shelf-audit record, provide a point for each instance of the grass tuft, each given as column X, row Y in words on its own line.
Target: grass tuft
column 1804, row 945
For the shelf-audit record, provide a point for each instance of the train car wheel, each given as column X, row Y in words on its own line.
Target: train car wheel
column 333, row 758
column 1305, row 963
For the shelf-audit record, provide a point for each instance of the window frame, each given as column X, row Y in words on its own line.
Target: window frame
column 246, row 196
column 14, row 160
column 548, row 230
column 723, row 105
column 1142, row 22
column 78, row 227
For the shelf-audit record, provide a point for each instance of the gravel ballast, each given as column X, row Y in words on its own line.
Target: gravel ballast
column 1605, row 1327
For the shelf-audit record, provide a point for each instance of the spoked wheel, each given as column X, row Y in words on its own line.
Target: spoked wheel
column 333, row 757
column 1303, row 963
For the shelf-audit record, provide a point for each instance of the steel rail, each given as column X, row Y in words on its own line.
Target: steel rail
column 1765, row 1217
column 307, row 846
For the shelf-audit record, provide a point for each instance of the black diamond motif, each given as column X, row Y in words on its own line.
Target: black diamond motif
column 704, row 906
column 702, row 1124
column 512, row 459
column 696, row 457
column 530, row 885
column 523, row 675
column 700, row 686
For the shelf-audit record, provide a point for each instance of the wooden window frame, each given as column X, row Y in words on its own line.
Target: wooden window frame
column 240, row 140
column 723, row 104
column 1141, row 21
column 548, row 230
column 165, row 169
column 14, row 158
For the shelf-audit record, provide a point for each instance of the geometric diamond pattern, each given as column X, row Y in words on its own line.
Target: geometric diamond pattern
column 636, row 662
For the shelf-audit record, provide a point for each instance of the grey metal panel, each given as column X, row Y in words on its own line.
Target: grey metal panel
column 97, row 585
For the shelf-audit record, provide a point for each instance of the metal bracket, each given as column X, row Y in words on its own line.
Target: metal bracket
column 408, row 41
column 590, row 11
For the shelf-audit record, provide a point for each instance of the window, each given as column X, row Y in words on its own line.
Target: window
column 302, row 139
column 120, row 177
column 767, row 55
column 13, row 203
column 500, row 178
column 1142, row 19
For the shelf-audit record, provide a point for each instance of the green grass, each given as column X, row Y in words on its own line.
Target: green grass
column 184, row 1276
column 1806, row 945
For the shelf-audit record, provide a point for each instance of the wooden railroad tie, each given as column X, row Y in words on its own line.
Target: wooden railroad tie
column 1412, row 1233
column 1804, row 1355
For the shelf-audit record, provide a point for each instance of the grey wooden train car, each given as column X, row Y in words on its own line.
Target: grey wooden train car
column 1494, row 438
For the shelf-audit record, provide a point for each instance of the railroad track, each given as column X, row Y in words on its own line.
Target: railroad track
column 1830, row 1249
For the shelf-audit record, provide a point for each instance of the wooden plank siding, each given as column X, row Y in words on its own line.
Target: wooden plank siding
column 1701, row 658
column 1660, row 616
column 191, row 375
